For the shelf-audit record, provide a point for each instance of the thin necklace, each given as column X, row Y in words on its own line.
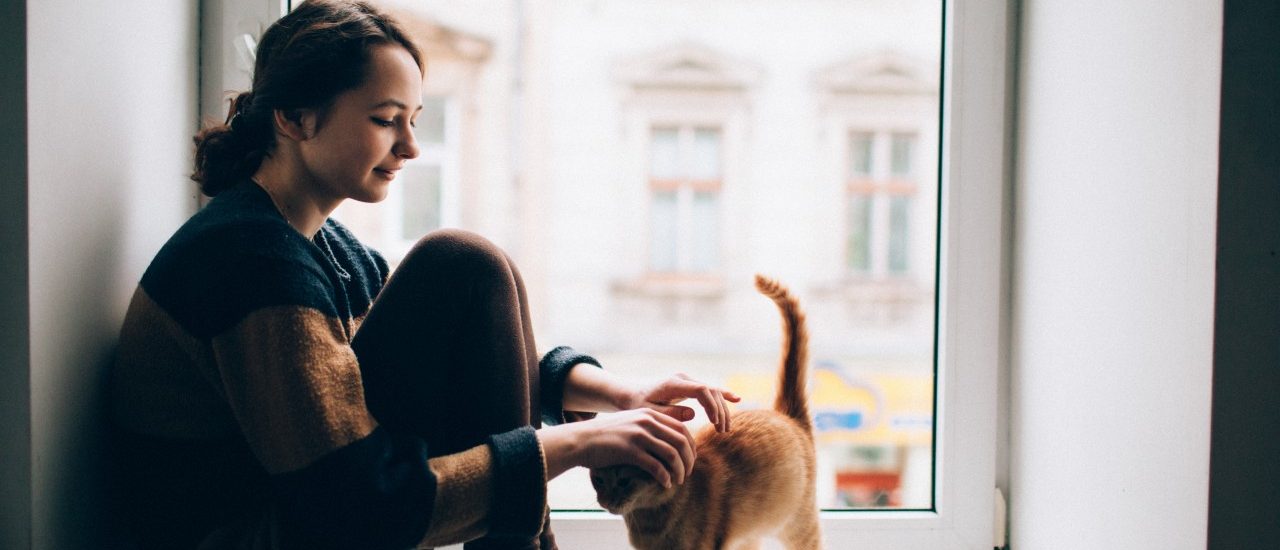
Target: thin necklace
column 274, row 202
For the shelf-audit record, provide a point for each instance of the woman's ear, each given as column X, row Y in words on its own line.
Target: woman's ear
column 295, row 124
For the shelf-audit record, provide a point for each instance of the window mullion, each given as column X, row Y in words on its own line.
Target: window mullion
column 684, row 227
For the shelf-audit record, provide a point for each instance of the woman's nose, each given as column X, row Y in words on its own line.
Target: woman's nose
column 407, row 146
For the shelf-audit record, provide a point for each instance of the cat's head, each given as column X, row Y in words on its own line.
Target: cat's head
column 623, row 489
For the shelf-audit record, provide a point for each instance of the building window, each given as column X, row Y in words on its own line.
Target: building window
column 881, row 190
column 420, row 201
column 420, row 205
column 684, row 199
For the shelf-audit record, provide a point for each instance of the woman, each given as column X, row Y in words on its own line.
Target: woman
column 274, row 388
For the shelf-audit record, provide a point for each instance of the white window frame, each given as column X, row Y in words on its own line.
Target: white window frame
column 970, row 303
column 226, row 62
column 970, row 310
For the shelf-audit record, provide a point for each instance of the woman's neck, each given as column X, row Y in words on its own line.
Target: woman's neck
column 295, row 195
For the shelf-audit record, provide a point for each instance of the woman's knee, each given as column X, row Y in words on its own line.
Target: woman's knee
column 458, row 251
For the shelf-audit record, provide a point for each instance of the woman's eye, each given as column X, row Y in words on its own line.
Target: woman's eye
column 383, row 122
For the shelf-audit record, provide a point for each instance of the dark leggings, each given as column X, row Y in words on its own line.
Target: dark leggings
column 447, row 351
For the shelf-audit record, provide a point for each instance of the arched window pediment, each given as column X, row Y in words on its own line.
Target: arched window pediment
column 885, row 72
column 687, row 66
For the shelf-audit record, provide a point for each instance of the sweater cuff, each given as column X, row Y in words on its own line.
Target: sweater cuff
column 520, row 485
column 554, row 370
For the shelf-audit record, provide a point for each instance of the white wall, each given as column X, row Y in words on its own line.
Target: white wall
column 112, row 106
column 1113, row 274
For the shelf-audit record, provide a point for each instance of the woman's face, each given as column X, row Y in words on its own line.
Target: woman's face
column 357, row 146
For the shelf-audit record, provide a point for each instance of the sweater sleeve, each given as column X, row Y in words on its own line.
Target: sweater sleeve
column 553, row 371
column 339, row 480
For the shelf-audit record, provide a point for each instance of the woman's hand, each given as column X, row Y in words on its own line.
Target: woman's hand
column 664, row 395
column 591, row 389
column 645, row 438
column 649, row 433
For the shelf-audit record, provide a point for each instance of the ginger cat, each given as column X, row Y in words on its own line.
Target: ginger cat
column 757, row 480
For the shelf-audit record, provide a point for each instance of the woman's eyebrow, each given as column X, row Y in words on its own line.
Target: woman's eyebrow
column 395, row 103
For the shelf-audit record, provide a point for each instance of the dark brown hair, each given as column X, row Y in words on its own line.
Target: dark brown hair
column 306, row 59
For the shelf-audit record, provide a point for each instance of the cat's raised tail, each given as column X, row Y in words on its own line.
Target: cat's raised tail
column 792, row 399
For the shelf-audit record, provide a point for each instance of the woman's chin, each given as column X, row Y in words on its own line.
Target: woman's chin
column 371, row 193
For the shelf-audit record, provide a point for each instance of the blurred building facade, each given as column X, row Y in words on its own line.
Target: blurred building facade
column 642, row 160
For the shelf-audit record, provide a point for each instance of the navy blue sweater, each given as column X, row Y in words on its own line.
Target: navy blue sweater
column 241, row 415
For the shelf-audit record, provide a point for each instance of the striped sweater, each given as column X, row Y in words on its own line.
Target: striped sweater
column 240, row 411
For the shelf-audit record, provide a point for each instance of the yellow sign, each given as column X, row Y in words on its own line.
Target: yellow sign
column 868, row 409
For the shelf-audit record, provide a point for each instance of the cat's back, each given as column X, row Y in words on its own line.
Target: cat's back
column 761, row 443
column 764, row 466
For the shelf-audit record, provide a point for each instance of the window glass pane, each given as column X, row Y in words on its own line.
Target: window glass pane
column 421, row 205
column 860, row 154
column 663, row 232
column 899, row 233
column 705, row 231
column 902, row 149
column 595, row 146
column 858, row 241
column 664, row 153
column 706, row 154
column 431, row 123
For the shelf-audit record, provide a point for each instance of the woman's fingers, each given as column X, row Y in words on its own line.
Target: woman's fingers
column 678, row 412
column 664, row 396
column 670, row 458
column 674, row 444
column 688, row 451
column 714, row 411
column 645, row 438
column 654, row 467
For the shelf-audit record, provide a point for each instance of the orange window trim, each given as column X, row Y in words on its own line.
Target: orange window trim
column 675, row 184
column 864, row 186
